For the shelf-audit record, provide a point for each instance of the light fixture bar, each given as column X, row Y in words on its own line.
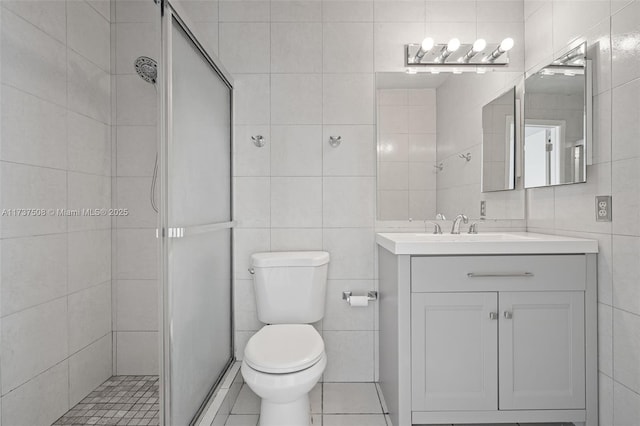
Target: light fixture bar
column 457, row 54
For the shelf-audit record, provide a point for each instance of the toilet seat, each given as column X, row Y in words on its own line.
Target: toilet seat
column 284, row 348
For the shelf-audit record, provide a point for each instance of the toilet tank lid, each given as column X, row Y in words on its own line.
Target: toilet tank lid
column 289, row 258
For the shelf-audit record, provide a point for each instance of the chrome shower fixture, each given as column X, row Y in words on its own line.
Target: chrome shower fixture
column 147, row 69
column 456, row 55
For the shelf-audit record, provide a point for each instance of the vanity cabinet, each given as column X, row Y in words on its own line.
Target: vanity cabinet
column 490, row 351
column 488, row 338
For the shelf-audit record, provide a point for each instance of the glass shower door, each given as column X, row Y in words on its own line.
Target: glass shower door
column 197, row 224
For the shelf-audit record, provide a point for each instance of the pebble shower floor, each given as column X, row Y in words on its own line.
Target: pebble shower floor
column 121, row 400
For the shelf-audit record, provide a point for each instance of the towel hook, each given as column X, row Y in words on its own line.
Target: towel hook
column 466, row 156
column 258, row 140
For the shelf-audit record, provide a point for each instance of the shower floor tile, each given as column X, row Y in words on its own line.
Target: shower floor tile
column 121, row 400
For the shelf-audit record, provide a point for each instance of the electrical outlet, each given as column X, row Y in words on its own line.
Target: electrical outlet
column 483, row 208
column 603, row 208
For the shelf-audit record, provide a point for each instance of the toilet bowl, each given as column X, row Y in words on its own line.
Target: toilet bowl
column 286, row 358
column 282, row 363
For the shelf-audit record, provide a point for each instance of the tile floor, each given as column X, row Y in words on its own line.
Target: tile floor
column 121, row 400
column 332, row 404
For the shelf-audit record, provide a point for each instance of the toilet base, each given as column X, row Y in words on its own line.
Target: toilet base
column 294, row 413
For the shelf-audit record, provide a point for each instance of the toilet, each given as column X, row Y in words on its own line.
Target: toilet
column 286, row 358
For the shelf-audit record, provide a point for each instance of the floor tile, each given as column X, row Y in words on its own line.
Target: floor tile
column 121, row 400
column 350, row 398
column 242, row 420
column 353, row 420
column 247, row 402
column 315, row 396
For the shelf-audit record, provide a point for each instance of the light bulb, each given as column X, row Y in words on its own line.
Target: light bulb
column 453, row 45
column 506, row 44
column 479, row 45
column 427, row 44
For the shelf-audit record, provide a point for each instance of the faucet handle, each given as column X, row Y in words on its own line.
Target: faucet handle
column 437, row 229
column 473, row 228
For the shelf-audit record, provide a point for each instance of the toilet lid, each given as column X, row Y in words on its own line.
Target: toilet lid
column 284, row 348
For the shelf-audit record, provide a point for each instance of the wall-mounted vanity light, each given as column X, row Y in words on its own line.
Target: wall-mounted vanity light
column 446, row 51
column 426, row 46
column 504, row 46
column 453, row 54
column 478, row 46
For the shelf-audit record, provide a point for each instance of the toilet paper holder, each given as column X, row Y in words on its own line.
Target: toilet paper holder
column 371, row 295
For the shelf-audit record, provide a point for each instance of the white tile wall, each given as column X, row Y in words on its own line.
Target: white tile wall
column 56, row 154
column 134, row 309
column 297, row 192
column 137, row 352
column 616, row 79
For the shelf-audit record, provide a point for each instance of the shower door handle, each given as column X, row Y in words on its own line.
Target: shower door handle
column 187, row 231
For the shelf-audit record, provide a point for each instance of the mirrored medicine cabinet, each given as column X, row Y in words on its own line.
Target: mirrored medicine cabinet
column 557, row 121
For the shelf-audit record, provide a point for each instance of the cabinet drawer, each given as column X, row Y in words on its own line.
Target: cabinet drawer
column 498, row 273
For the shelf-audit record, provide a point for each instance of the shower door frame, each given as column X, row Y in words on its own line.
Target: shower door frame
column 175, row 14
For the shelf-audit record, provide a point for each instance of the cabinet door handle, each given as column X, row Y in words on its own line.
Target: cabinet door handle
column 508, row 315
column 493, row 315
column 499, row 275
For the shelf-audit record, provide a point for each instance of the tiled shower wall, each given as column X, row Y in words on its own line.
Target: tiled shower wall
column 135, row 32
column 304, row 71
column 56, row 154
column 612, row 30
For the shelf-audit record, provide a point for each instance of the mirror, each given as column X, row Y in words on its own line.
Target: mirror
column 556, row 116
column 499, row 143
column 429, row 145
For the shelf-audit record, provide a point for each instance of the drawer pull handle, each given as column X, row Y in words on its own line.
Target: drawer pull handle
column 493, row 315
column 496, row 275
column 508, row 315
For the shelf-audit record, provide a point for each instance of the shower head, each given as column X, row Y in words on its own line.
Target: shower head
column 147, row 69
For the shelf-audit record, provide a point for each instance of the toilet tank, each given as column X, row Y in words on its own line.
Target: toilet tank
column 290, row 287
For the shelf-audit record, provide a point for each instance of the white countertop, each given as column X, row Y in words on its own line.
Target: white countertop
column 483, row 243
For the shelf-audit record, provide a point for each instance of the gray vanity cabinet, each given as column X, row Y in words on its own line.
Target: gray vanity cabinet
column 490, row 351
column 489, row 338
column 454, row 351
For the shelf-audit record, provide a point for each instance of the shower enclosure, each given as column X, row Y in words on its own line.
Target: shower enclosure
column 196, row 221
column 116, row 282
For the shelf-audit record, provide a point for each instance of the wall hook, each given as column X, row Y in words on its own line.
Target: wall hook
column 466, row 156
column 439, row 167
column 258, row 140
column 334, row 141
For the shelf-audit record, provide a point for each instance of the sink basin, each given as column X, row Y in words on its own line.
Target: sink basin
column 487, row 236
column 483, row 243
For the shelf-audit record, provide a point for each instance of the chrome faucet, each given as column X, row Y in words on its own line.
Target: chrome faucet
column 455, row 229
column 437, row 229
column 473, row 228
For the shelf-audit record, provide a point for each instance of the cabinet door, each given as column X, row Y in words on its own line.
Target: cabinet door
column 454, row 351
column 542, row 350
